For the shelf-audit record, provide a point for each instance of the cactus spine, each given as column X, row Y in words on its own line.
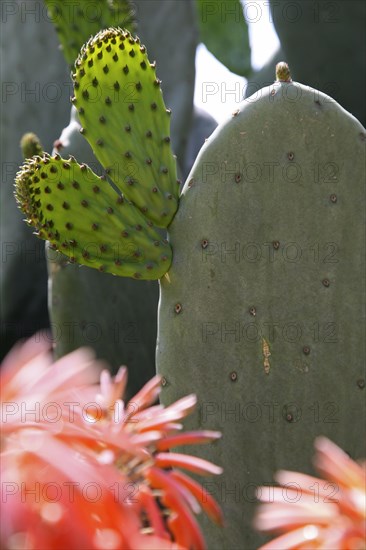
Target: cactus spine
column 264, row 314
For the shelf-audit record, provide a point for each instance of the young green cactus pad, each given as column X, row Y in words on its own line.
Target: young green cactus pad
column 124, row 119
column 264, row 314
column 75, row 22
column 87, row 220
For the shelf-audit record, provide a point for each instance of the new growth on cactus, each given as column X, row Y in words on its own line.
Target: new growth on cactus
column 283, row 72
column 30, row 145
column 121, row 107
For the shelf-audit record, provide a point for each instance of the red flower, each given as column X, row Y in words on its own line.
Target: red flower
column 316, row 513
column 83, row 470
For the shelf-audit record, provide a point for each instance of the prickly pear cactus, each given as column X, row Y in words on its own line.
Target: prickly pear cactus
column 262, row 310
column 263, row 315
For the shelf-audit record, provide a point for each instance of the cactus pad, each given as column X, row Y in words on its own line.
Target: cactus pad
column 76, row 22
column 124, row 119
column 87, row 220
column 264, row 315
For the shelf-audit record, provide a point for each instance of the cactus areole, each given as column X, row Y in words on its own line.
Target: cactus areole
column 264, row 314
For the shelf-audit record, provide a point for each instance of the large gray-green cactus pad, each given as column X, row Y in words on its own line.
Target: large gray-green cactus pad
column 264, row 314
